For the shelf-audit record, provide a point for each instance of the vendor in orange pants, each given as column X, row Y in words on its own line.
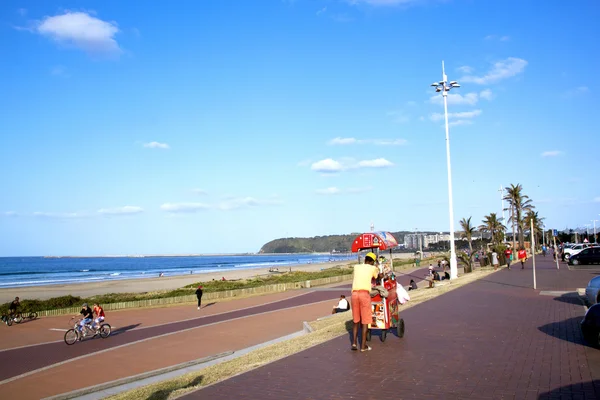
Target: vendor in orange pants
column 361, row 299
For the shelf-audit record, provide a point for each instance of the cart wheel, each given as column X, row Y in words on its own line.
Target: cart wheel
column 400, row 328
column 368, row 335
column 383, row 335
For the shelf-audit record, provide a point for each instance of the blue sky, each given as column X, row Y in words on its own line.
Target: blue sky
column 216, row 126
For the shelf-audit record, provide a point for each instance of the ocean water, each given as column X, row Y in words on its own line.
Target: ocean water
column 34, row 271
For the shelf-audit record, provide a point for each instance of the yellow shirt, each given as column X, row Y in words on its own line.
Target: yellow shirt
column 363, row 273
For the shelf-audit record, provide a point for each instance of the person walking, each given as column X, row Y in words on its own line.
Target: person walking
column 522, row 254
column 199, row 296
column 508, row 256
column 495, row 262
column 361, row 299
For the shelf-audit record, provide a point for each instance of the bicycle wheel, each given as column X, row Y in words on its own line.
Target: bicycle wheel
column 104, row 331
column 33, row 315
column 7, row 320
column 19, row 318
column 71, row 336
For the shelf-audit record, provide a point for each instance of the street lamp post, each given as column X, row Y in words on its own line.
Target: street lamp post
column 444, row 86
column 501, row 190
column 594, row 221
column 587, row 232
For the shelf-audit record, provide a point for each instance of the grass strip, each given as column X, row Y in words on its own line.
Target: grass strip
column 324, row 330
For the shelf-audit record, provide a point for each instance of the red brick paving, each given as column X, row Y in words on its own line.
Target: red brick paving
column 496, row 338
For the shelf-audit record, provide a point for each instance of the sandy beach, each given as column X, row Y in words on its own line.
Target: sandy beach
column 154, row 284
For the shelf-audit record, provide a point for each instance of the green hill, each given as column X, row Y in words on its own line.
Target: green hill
column 317, row 244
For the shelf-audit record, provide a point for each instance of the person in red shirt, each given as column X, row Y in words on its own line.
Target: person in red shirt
column 99, row 312
column 522, row 257
column 508, row 256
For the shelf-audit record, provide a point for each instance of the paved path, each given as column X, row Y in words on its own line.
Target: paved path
column 45, row 369
column 496, row 338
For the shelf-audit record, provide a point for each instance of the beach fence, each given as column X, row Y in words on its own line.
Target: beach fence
column 225, row 294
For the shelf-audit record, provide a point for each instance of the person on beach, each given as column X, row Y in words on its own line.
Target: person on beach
column 99, row 312
column 508, row 256
column 495, row 262
column 361, row 299
column 199, row 296
column 522, row 254
column 342, row 305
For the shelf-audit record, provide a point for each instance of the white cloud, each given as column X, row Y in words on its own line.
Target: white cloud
column 184, row 207
column 327, row 165
column 457, row 115
column 59, row 215
column 456, row 99
column 10, row 214
column 342, row 141
column 330, row 166
column 486, row 94
column 322, row 11
column 22, row 11
column 328, row 191
column 156, row 145
column 125, row 210
column 465, row 69
column 596, row 199
column 242, row 202
column 500, row 70
column 81, row 30
column 199, row 191
column 376, row 163
column 551, row 153
column 378, row 142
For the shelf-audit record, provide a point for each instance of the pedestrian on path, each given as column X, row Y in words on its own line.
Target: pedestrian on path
column 361, row 299
column 495, row 262
column 508, row 256
column 199, row 296
column 522, row 257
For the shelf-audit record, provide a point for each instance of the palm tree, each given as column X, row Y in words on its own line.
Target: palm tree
column 468, row 231
column 519, row 204
column 537, row 224
column 492, row 225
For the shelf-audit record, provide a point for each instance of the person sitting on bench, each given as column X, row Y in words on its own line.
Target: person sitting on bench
column 342, row 305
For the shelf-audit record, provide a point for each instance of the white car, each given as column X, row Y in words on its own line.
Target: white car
column 575, row 249
column 592, row 289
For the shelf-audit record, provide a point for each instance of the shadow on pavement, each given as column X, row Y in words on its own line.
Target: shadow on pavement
column 570, row 298
column 209, row 304
column 567, row 330
column 506, row 284
column 585, row 390
column 123, row 329
column 165, row 393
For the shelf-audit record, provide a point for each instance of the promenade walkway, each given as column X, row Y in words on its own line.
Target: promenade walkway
column 496, row 338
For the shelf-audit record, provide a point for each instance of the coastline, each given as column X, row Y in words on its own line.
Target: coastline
column 140, row 285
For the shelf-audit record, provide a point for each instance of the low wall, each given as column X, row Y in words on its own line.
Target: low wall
column 281, row 287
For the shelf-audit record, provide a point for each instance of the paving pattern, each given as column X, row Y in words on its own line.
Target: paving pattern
column 496, row 338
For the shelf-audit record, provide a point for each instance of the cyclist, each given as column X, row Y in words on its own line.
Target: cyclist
column 99, row 311
column 88, row 316
column 12, row 308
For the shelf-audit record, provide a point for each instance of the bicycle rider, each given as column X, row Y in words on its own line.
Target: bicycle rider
column 88, row 316
column 12, row 308
column 99, row 311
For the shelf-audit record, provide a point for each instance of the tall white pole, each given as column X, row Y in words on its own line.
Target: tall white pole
column 503, row 221
column 453, row 262
column 533, row 252
column 594, row 221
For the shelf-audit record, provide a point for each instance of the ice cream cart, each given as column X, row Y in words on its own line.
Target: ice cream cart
column 385, row 310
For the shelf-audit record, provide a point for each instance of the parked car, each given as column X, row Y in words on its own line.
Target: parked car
column 591, row 255
column 576, row 249
column 592, row 289
column 590, row 326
